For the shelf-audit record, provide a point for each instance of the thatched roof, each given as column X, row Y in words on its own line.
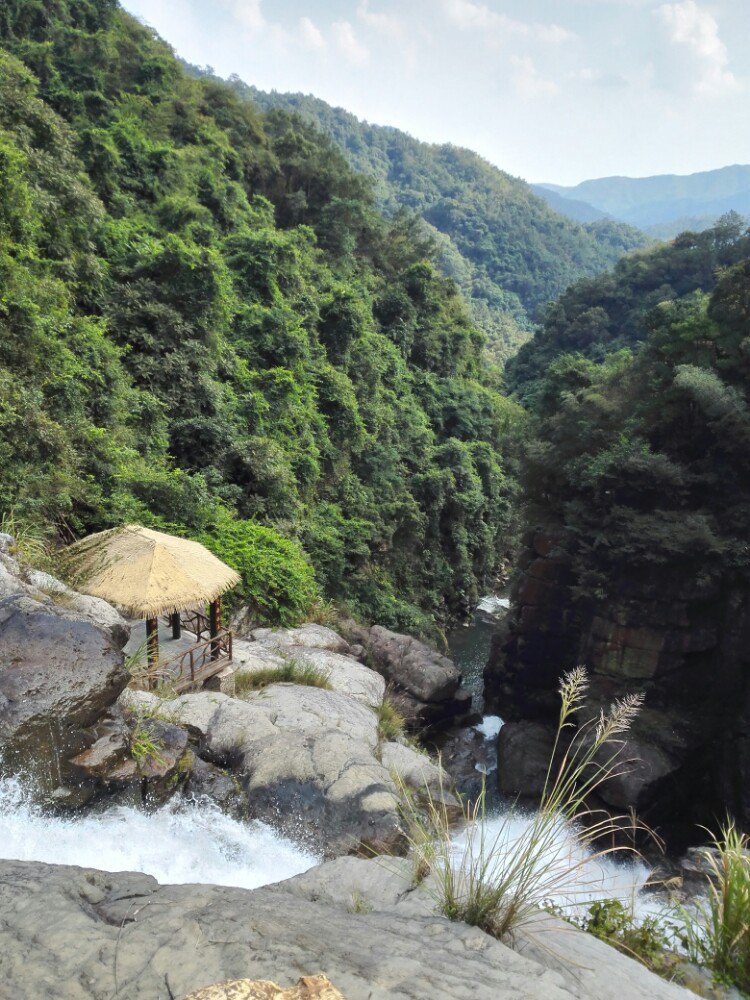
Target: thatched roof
column 147, row 573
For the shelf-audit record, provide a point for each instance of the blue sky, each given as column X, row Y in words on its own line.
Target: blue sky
column 550, row 90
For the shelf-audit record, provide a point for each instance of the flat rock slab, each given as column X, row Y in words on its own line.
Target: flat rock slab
column 81, row 934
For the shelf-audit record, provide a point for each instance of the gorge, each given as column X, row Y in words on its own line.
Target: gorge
column 382, row 382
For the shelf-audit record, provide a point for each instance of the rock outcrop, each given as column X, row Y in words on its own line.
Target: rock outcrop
column 308, row 760
column 81, row 934
column 685, row 647
column 61, row 669
column 424, row 684
column 59, row 673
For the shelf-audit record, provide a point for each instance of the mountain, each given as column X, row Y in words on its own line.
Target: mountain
column 663, row 205
column 579, row 211
column 207, row 326
column 502, row 244
column 595, row 318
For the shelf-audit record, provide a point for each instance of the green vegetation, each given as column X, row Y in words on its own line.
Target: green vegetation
column 145, row 748
column 617, row 310
column 499, row 881
column 647, row 940
column 391, row 723
column 717, row 927
column 643, row 457
column 502, row 244
column 207, row 326
column 291, row 672
column 278, row 581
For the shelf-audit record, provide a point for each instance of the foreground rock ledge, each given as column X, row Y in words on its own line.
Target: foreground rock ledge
column 81, row 934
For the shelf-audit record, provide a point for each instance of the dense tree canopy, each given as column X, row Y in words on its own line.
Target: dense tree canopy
column 643, row 457
column 594, row 318
column 504, row 246
column 205, row 323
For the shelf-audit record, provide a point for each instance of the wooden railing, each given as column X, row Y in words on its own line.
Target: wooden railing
column 192, row 621
column 195, row 665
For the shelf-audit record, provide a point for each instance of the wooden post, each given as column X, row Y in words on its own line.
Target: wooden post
column 176, row 625
column 215, row 623
column 152, row 645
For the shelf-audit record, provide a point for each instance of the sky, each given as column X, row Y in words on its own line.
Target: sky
column 549, row 90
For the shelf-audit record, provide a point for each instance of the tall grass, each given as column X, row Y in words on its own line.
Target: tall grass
column 31, row 543
column 497, row 881
column 717, row 927
column 291, row 672
column 391, row 723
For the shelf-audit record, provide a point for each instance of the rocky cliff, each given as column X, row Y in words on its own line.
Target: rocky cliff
column 684, row 644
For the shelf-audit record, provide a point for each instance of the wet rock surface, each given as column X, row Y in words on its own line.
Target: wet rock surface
column 59, row 673
column 307, row 760
column 82, row 934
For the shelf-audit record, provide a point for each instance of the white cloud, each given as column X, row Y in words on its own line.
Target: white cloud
column 385, row 24
column 527, row 81
column 348, row 43
column 469, row 15
column 248, row 13
column 697, row 32
column 311, row 35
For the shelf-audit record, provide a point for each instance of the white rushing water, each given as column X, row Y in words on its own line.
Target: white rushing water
column 575, row 878
column 185, row 843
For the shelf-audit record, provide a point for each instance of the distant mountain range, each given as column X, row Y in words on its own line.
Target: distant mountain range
column 661, row 206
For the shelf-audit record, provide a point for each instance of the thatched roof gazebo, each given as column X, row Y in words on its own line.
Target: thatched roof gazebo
column 147, row 573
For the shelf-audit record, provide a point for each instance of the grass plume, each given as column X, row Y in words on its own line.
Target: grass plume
column 498, row 881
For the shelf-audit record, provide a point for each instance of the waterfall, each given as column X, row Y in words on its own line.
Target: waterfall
column 179, row 842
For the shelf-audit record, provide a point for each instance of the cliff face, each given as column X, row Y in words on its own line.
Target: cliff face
column 683, row 643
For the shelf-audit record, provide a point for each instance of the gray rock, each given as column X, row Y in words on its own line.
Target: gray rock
column 405, row 661
column 327, row 791
column 59, row 673
column 293, row 708
column 218, row 786
column 311, row 635
column 343, row 673
column 306, row 758
column 81, row 934
column 523, row 755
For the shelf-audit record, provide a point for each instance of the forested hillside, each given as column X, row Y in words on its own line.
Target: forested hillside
column 507, row 250
column 616, row 310
column 206, row 324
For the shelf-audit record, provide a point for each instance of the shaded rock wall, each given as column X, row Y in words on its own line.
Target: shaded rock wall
column 684, row 643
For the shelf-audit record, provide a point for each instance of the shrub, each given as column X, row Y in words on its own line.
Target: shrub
column 648, row 942
column 278, row 582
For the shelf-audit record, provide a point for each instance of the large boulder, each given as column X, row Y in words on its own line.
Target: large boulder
column 523, row 755
column 425, row 685
column 311, row 635
column 274, row 649
column 82, row 934
column 59, row 673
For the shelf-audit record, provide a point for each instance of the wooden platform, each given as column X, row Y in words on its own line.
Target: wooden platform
column 185, row 663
